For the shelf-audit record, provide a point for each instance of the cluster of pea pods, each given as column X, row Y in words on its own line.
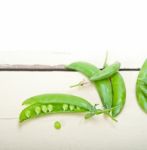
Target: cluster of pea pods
column 109, row 84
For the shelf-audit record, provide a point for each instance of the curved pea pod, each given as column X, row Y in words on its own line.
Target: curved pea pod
column 103, row 86
column 141, row 89
column 119, row 94
column 107, row 72
column 54, row 103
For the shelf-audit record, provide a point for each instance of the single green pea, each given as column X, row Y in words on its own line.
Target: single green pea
column 50, row 108
column 37, row 110
column 44, row 108
column 28, row 113
column 57, row 125
column 65, row 107
column 71, row 107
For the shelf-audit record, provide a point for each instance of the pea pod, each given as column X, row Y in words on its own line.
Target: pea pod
column 103, row 86
column 56, row 103
column 107, row 72
column 141, row 89
column 119, row 94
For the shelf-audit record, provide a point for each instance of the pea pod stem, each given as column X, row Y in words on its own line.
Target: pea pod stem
column 98, row 112
column 81, row 83
column 106, row 59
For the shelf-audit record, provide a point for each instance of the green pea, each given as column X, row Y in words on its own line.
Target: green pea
column 28, row 113
column 57, row 125
column 71, row 107
column 44, row 108
column 50, row 108
column 37, row 110
column 65, row 107
column 78, row 108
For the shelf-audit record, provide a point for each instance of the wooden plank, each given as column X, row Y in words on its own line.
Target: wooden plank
column 127, row 58
column 77, row 133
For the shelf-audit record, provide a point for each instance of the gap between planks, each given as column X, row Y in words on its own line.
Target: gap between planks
column 37, row 67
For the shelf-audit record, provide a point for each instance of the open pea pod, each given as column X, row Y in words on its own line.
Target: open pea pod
column 56, row 103
column 103, row 87
column 141, row 87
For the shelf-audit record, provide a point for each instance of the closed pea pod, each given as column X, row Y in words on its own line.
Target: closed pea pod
column 107, row 72
column 103, row 86
column 119, row 94
column 118, row 86
column 141, row 89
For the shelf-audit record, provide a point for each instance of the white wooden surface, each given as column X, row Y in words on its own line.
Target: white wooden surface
column 76, row 133
column 66, row 31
